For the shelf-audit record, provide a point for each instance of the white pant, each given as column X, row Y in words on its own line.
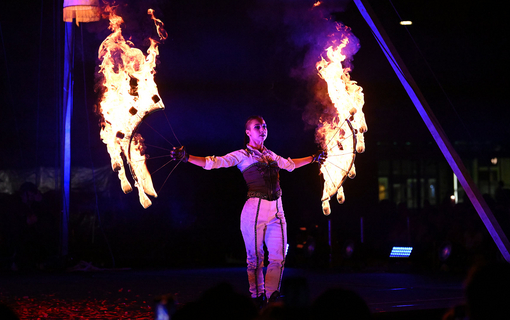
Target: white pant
column 263, row 221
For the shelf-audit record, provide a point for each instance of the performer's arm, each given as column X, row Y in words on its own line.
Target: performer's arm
column 207, row 163
column 198, row 161
column 319, row 157
column 299, row 162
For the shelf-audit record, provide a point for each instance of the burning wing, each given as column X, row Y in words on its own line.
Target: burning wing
column 130, row 95
column 341, row 138
column 339, row 165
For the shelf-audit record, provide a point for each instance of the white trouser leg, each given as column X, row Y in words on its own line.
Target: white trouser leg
column 264, row 221
column 276, row 243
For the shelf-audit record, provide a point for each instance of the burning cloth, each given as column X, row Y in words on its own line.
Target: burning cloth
column 129, row 95
column 341, row 135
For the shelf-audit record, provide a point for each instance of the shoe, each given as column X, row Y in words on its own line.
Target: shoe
column 260, row 301
column 275, row 296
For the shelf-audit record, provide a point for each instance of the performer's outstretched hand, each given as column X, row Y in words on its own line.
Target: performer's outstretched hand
column 320, row 156
column 179, row 154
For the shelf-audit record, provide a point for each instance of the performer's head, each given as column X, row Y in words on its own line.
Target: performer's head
column 255, row 130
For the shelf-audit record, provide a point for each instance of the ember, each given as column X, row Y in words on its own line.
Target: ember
column 342, row 134
column 130, row 95
column 48, row 307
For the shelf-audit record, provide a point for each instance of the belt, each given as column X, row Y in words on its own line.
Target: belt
column 265, row 196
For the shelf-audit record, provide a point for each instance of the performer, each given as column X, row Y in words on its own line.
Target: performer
column 262, row 218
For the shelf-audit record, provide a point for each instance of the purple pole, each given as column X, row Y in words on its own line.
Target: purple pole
column 67, row 112
column 436, row 130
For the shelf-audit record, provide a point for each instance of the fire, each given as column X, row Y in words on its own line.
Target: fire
column 341, row 135
column 130, row 94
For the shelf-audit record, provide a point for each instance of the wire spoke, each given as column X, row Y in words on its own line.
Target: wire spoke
column 344, row 138
column 144, row 122
column 338, row 130
column 171, row 128
column 347, row 153
column 158, row 157
column 149, row 158
column 331, row 163
column 168, row 176
column 157, row 147
column 161, row 167
column 337, row 179
column 331, row 180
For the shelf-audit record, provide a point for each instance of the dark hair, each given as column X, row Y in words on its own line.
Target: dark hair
column 246, row 138
column 487, row 291
column 340, row 303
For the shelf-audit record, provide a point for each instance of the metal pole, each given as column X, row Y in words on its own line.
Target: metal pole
column 436, row 130
column 67, row 111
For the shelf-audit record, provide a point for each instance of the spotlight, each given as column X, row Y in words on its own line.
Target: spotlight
column 348, row 249
column 445, row 250
column 406, row 23
column 401, row 252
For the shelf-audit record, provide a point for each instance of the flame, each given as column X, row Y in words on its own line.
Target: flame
column 341, row 135
column 130, row 95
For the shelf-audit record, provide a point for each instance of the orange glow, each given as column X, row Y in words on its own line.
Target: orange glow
column 316, row 4
column 130, row 94
column 336, row 135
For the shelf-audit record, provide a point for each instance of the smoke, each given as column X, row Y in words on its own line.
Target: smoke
column 305, row 29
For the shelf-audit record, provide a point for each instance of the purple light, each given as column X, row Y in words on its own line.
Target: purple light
column 401, row 252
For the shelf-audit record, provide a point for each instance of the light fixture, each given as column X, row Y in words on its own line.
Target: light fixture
column 401, row 252
column 406, row 22
column 81, row 11
column 348, row 249
column 445, row 250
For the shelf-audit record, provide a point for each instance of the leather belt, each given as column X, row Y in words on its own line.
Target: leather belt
column 265, row 196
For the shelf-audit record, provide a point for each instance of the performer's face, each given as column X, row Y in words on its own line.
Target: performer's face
column 257, row 131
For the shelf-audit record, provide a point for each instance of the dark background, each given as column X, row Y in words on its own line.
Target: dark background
column 222, row 62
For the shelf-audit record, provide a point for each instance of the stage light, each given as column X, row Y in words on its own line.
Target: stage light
column 406, row 23
column 445, row 250
column 401, row 252
column 348, row 249
column 81, row 11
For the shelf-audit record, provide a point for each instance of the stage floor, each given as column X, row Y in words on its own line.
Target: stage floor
column 130, row 293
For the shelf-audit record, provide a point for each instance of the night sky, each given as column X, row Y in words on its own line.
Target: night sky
column 226, row 60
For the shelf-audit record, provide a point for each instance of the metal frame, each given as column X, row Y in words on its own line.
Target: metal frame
column 435, row 129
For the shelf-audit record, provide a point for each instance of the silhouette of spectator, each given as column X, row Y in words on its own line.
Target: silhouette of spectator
column 6, row 313
column 488, row 292
column 293, row 303
column 338, row 303
column 28, row 228
column 22, row 215
column 219, row 302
